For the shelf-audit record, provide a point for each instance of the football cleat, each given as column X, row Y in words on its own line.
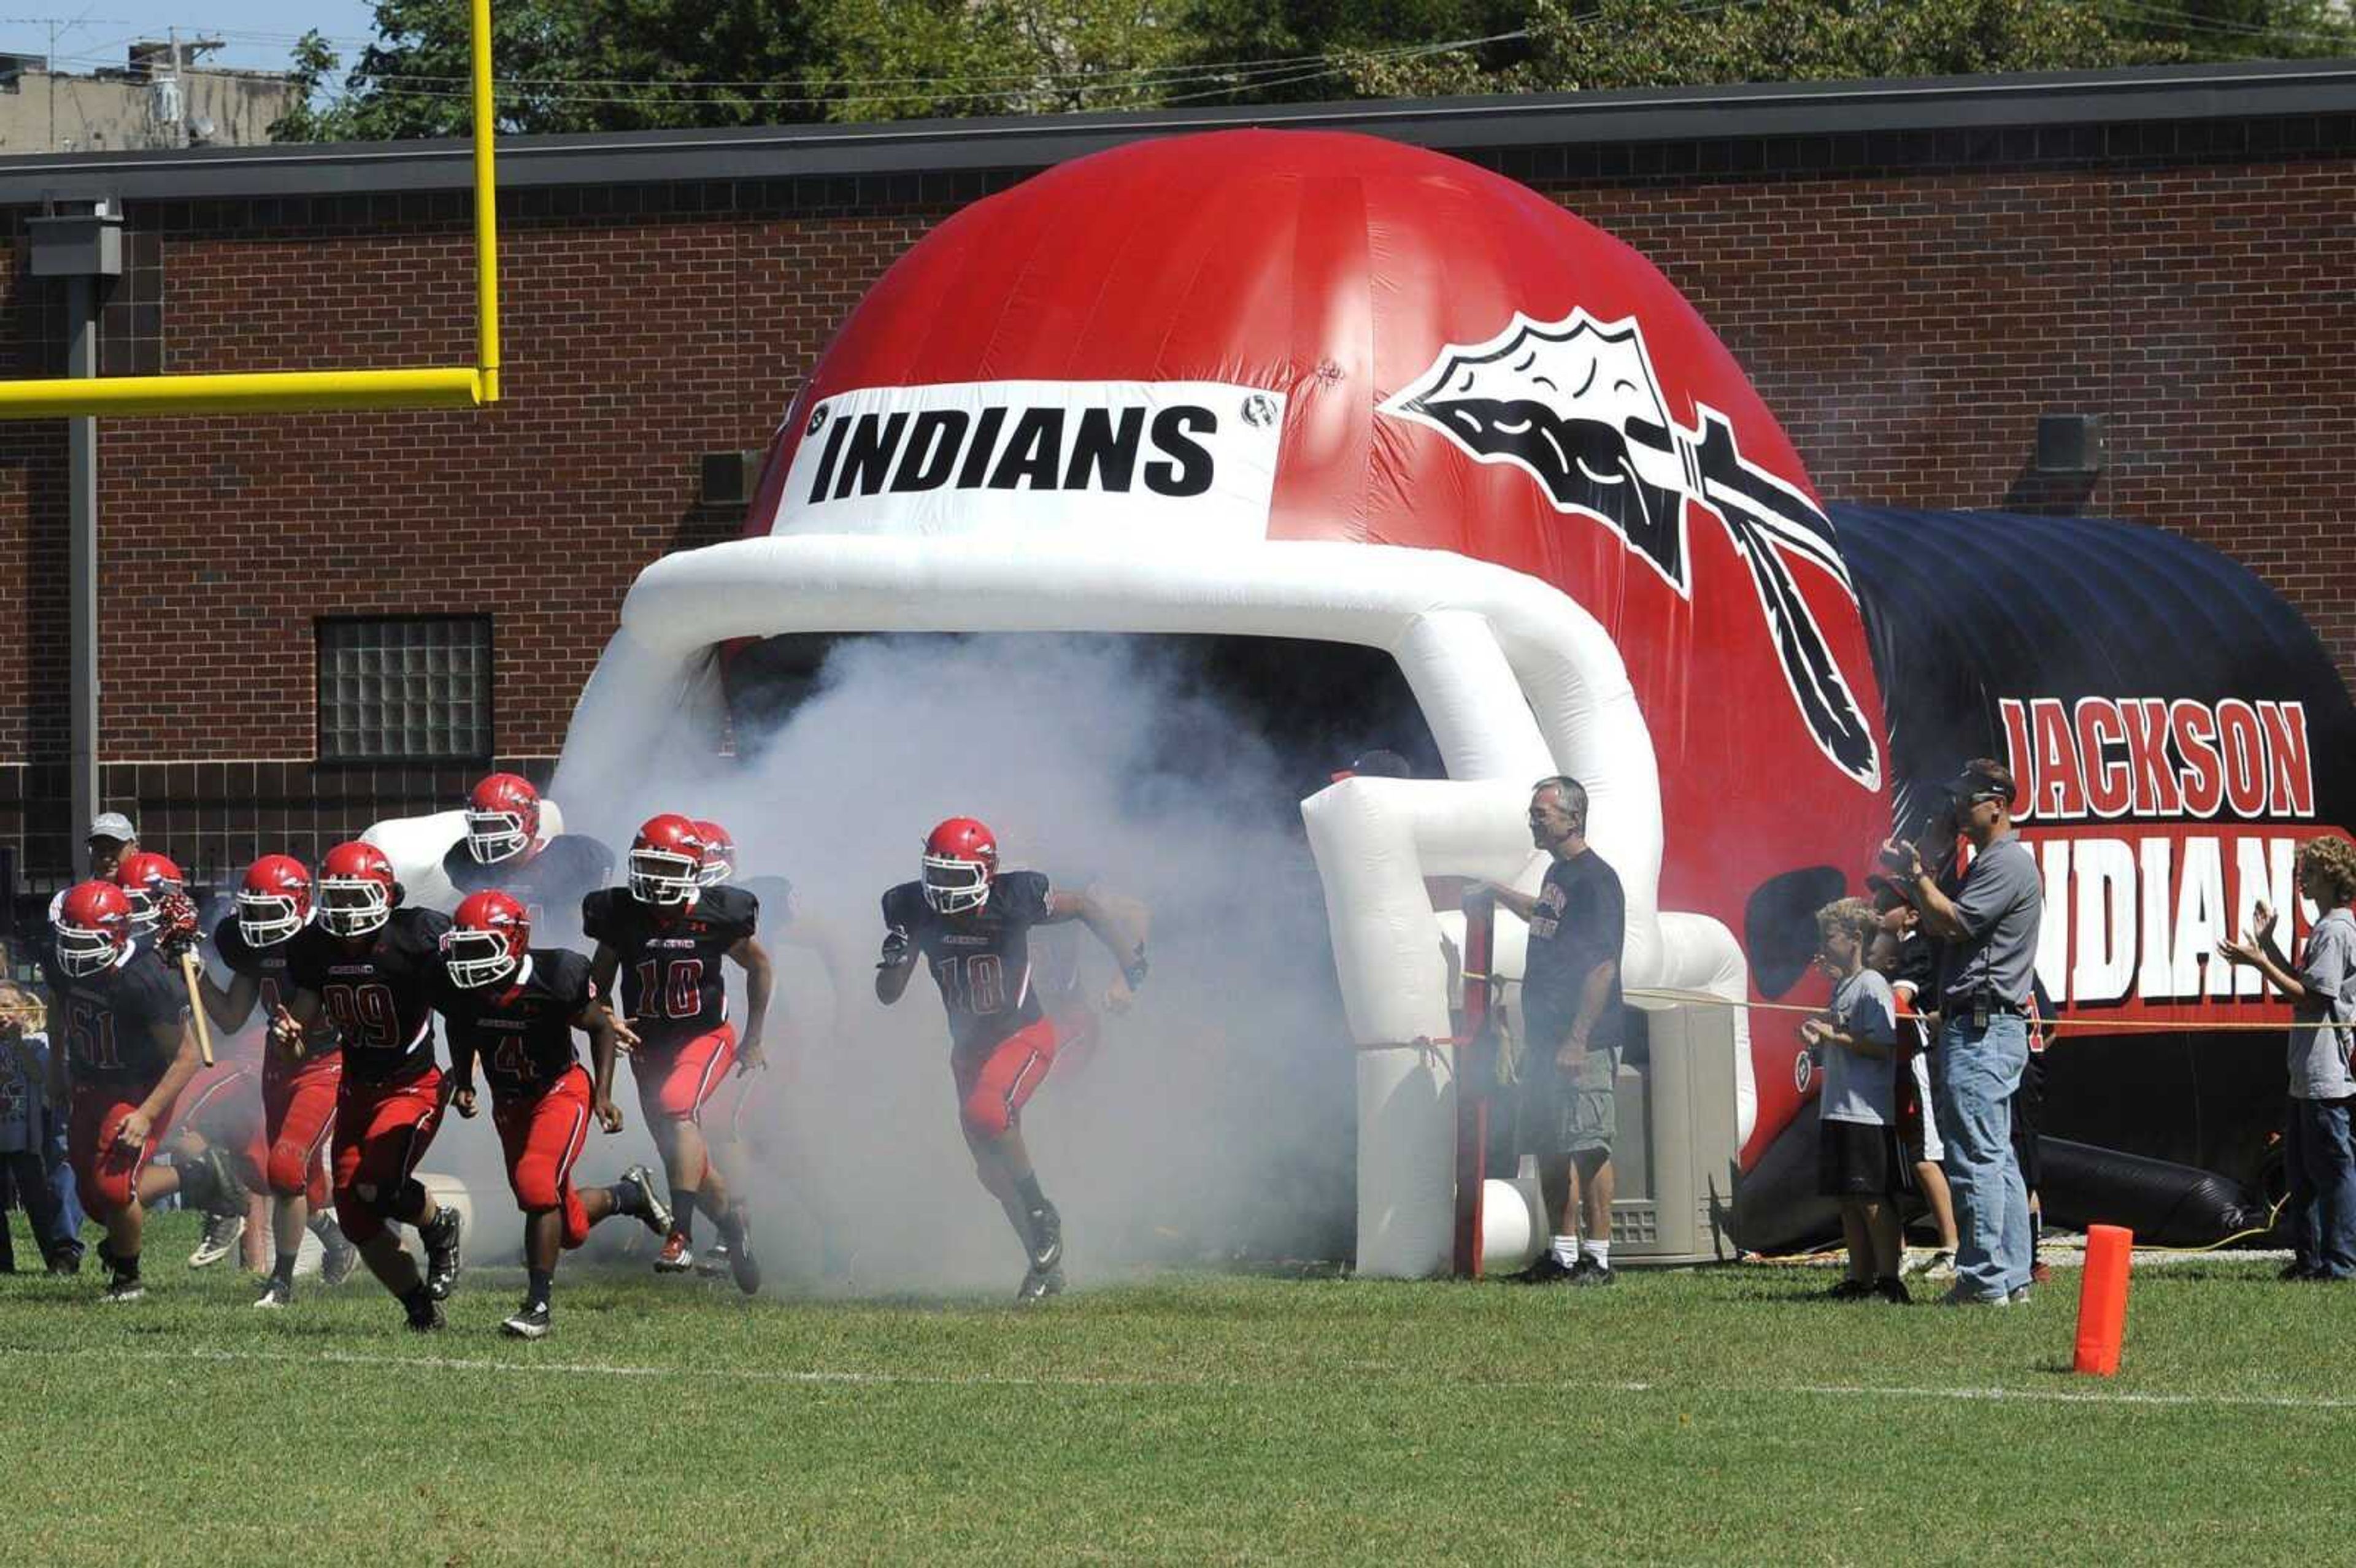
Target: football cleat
column 655, row 1213
column 715, row 1261
column 219, row 1240
column 1588, row 1272
column 426, row 1318
column 337, row 1256
column 1039, row 1285
column 276, row 1292
column 1848, row 1290
column 122, row 1288
column 529, row 1321
column 742, row 1266
column 444, row 1240
column 1046, row 1238
column 676, row 1257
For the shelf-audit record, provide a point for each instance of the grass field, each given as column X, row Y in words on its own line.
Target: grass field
column 1721, row 1416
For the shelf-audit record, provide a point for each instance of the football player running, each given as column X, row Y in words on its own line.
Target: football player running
column 516, row 1007
column 221, row 1109
column 298, row 1091
column 667, row 934
column 129, row 1052
column 365, row 973
column 971, row 924
column 504, row 849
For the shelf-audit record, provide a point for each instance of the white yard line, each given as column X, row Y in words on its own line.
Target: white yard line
column 2090, row 1394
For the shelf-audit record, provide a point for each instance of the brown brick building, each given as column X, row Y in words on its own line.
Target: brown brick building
column 1911, row 272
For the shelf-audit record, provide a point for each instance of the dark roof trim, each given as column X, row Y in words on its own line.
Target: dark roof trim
column 2149, row 94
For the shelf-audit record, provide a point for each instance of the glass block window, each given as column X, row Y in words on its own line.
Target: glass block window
column 414, row 689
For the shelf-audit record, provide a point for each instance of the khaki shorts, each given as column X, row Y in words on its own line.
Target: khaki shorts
column 1556, row 1112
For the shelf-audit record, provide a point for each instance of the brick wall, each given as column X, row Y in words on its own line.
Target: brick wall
column 1908, row 304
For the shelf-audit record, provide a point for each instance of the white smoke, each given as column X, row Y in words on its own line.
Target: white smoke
column 1213, row 1118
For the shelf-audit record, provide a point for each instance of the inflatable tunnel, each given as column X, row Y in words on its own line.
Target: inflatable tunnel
column 1324, row 386
column 2176, row 729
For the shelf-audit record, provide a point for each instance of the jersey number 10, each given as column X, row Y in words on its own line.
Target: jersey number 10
column 679, row 994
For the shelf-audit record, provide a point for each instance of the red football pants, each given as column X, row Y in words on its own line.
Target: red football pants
column 105, row 1174
column 542, row 1136
column 298, row 1112
column 994, row 1084
column 382, row 1130
column 675, row 1082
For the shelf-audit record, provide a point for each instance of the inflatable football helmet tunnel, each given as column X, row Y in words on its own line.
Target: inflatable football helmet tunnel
column 1324, row 386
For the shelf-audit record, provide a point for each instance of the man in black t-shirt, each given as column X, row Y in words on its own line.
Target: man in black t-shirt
column 515, row 1008
column 972, row 925
column 1576, row 1021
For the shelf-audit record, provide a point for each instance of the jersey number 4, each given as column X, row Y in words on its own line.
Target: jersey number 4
column 364, row 1015
column 974, row 984
column 679, row 995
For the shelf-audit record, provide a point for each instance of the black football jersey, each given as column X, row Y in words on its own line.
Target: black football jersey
column 550, row 886
column 107, row 1020
column 982, row 960
column 379, row 991
column 674, row 985
column 521, row 1029
column 266, row 966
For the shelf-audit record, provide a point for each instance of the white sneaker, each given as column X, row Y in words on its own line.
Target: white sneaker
column 220, row 1238
column 1926, row 1263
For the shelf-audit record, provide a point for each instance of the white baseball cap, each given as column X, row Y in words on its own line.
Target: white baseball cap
column 112, row 825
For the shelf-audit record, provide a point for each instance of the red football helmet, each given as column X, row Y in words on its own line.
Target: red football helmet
column 502, row 818
column 666, row 860
column 960, row 858
column 719, row 854
column 358, row 890
column 487, row 940
column 275, row 900
column 147, row 878
column 93, row 928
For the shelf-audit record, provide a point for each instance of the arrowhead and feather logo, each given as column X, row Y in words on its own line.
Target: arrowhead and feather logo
column 1575, row 404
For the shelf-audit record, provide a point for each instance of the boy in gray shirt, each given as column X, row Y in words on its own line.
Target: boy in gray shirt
column 1857, row 1158
column 2317, row 1148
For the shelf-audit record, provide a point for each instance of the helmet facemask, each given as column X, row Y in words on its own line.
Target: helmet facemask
column 477, row 958
column 495, row 835
column 354, row 906
column 83, row 950
column 267, row 918
column 665, row 877
column 955, row 886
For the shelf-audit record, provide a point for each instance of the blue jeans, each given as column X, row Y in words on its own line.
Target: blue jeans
column 2321, row 1158
column 1979, row 1069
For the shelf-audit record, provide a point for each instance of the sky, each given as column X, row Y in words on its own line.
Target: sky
column 258, row 35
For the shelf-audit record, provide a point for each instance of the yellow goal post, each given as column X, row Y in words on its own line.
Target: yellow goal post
column 310, row 391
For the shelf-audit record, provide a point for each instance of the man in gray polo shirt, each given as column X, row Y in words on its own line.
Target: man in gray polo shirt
column 1988, row 933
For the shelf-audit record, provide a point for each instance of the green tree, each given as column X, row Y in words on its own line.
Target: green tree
column 618, row 65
